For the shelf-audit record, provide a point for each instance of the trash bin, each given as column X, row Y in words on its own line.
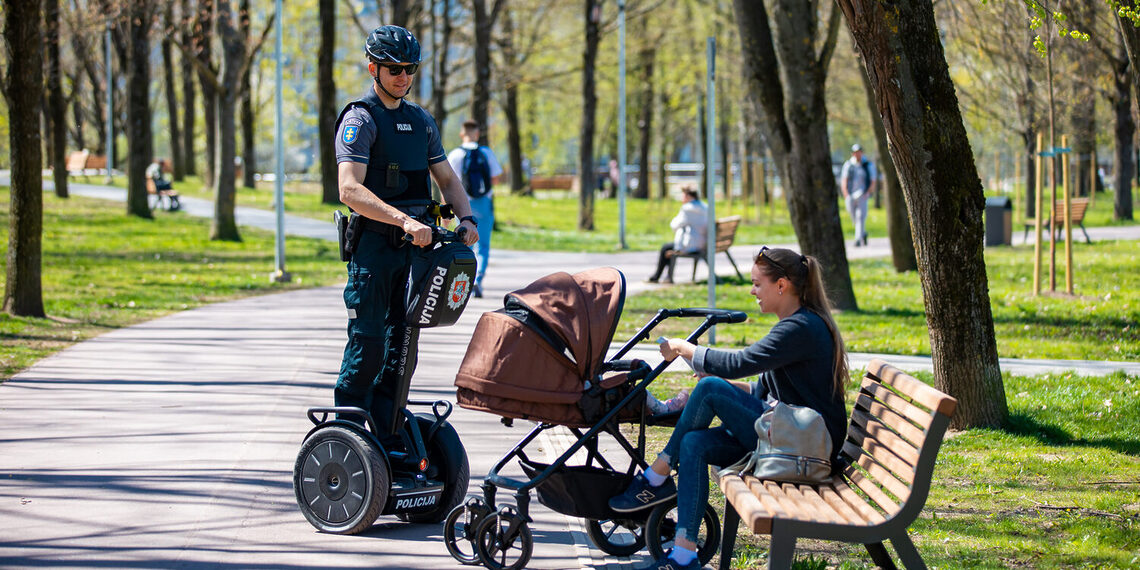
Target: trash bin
column 999, row 221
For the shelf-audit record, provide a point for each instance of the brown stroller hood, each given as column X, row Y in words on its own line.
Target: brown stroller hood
column 534, row 358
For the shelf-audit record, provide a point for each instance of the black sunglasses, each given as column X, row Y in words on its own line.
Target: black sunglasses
column 778, row 265
column 395, row 69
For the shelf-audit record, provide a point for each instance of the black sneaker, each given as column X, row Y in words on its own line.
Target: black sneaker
column 641, row 495
column 666, row 563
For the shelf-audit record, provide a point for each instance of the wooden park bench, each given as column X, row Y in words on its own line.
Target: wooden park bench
column 173, row 202
column 81, row 162
column 1077, row 209
column 725, row 235
column 556, row 182
column 896, row 429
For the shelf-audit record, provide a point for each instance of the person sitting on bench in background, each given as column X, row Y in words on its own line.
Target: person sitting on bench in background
column 689, row 229
column 156, row 171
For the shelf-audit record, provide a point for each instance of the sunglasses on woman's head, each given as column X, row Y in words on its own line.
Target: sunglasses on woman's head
column 769, row 259
column 395, row 69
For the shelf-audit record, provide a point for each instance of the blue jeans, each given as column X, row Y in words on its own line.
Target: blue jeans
column 694, row 445
column 484, row 211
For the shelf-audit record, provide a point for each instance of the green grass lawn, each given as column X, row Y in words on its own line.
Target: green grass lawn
column 1059, row 488
column 103, row 270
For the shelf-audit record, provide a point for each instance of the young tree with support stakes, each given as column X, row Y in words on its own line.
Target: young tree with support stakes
column 914, row 94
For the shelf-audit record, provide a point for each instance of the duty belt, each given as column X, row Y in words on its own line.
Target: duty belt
column 381, row 228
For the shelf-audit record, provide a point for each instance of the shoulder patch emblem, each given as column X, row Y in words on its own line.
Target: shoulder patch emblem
column 349, row 133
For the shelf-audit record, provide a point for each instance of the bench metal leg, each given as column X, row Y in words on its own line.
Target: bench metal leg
column 880, row 556
column 782, row 550
column 728, row 536
column 1082, row 226
column 733, row 262
column 908, row 554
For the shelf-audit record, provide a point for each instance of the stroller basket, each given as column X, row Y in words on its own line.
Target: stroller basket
column 579, row 491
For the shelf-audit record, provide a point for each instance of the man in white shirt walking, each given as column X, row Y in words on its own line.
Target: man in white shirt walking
column 479, row 170
column 857, row 182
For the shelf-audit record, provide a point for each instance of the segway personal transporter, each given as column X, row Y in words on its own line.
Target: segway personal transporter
column 350, row 470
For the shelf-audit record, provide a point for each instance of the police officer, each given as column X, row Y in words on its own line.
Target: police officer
column 386, row 148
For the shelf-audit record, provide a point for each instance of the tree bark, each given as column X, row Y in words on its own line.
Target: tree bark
column 224, row 226
column 177, row 158
column 189, row 98
column 898, row 223
column 140, row 143
column 86, row 56
column 787, row 84
column 916, row 98
column 441, row 39
column 511, row 103
column 23, row 91
column 481, row 88
column 646, row 57
column 1125, row 130
column 57, row 107
column 248, row 117
column 586, row 172
column 326, row 102
column 202, row 39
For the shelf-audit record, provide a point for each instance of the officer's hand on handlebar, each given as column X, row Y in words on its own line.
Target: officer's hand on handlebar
column 421, row 234
column 468, row 232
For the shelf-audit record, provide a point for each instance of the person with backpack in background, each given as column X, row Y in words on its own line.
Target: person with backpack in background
column 857, row 182
column 479, row 170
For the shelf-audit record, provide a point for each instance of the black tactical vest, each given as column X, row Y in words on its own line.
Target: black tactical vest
column 397, row 166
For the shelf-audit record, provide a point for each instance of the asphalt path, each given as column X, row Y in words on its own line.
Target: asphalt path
column 171, row 444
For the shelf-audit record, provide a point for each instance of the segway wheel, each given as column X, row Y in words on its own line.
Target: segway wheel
column 340, row 480
column 503, row 541
column 459, row 530
column 447, row 462
column 661, row 528
column 616, row 537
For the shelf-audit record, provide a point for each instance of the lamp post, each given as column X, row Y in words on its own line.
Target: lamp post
column 279, row 274
column 110, row 152
column 621, row 125
column 710, row 176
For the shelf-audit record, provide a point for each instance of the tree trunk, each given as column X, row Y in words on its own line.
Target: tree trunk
column 1125, row 130
column 248, row 117
column 645, row 57
column 23, row 91
column 916, row 98
column 441, row 39
column 177, row 158
column 140, row 144
column 57, row 108
column 202, row 40
column 326, row 102
column 511, row 104
column 481, row 88
column 898, row 223
column 787, row 83
column 87, row 56
column 224, row 226
column 189, row 107
column 1082, row 122
column 586, row 172
column 405, row 13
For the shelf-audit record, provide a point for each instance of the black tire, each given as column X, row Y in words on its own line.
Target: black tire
column 496, row 550
column 459, row 530
column 616, row 537
column 340, row 480
column 447, row 462
column 662, row 527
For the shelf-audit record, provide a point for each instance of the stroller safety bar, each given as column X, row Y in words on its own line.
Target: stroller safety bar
column 715, row 316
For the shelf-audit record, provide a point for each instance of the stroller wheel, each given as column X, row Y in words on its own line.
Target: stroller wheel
column 448, row 463
column 504, row 541
column 662, row 527
column 459, row 530
column 340, row 480
column 616, row 537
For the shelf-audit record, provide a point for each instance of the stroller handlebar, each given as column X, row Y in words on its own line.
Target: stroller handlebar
column 716, row 316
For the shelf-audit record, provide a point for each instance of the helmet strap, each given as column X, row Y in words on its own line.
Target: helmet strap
column 379, row 84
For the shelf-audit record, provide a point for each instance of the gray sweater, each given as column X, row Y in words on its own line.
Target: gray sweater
column 794, row 363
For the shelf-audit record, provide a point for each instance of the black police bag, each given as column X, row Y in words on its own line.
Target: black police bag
column 439, row 285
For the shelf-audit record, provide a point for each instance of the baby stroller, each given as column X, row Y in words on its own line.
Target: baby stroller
column 542, row 357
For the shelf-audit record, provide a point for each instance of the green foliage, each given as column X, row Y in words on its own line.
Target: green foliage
column 103, row 270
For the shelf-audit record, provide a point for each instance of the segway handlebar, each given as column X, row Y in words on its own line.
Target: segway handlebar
column 442, row 235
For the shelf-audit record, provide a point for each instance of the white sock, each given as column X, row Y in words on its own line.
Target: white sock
column 655, row 479
column 682, row 555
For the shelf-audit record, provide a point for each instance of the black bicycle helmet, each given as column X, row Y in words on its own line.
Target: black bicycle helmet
column 392, row 43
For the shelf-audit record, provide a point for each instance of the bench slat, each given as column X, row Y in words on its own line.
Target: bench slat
column 858, row 504
column 886, row 440
column 897, row 403
column 891, row 419
column 823, row 510
column 849, row 515
column 859, row 442
column 922, row 393
column 873, row 478
column 755, row 514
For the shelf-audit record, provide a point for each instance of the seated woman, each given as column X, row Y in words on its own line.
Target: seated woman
column 689, row 229
column 801, row 361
